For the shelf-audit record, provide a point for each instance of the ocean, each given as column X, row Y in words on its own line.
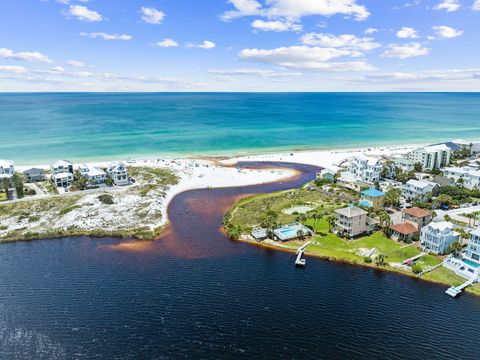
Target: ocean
column 40, row 127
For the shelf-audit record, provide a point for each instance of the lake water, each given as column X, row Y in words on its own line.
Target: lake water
column 195, row 294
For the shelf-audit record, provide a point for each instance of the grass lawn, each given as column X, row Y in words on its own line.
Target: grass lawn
column 3, row 196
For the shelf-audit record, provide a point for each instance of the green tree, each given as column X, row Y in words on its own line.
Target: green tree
column 418, row 167
column 17, row 182
column 392, row 197
column 381, row 259
column 384, row 218
column 455, row 248
column 300, row 234
column 331, row 219
column 80, row 182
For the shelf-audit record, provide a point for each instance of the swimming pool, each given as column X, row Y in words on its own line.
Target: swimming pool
column 471, row 263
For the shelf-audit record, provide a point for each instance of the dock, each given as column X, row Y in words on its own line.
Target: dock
column 299, row 261
column 455, row 290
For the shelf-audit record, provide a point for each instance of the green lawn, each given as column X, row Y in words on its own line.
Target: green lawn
column 3, row 196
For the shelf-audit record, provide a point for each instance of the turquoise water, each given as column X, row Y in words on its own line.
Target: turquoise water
column 84, row 126
column 471, row 263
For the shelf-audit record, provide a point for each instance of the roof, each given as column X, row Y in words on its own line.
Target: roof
column 405, row 228
column 420, row 183
column 435, row 148
column 351, row 211
column 461, row 142
column 62, row 175
column 6, row 163
column 417, row 212
column 327, row 171
column 61, row 163
column 365, row 203
column 33, row 170
column 115, row 165
column 441, row 226
column 475, row 232
column 373, row 193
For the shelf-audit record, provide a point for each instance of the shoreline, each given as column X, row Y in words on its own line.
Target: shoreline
column 387, row 269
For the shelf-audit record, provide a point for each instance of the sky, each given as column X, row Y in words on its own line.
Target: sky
column 239, row 45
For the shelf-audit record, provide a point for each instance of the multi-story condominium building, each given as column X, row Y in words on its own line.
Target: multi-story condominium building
column 467, row 176
column 431, row 157
column 419, row 189
column 353, row 221
column 365, row 168
column 61, row 166
column 7, row 168
column 95, row 176
column 437, row 237
column 473, row 249
column 118, row 173
column 63, row 179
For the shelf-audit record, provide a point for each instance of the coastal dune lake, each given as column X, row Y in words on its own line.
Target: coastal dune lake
column 195, row 294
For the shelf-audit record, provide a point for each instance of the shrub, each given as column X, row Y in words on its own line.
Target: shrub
column 417, row 269
column 367, row 260
column 106, row 199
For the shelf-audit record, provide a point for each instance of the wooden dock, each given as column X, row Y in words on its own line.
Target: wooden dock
column 456, row 290
column 299, row 261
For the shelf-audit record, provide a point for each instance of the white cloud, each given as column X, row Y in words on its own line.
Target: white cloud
column 370, row 31
column 278, row 26
column 407, row 33
column 476, row 5
column 207, row 45
column 76, row 63
column 166, row 43
column 448, row 5
column 152, row 15
column 83, row 13
column 264, row 73
column 13, row 69
column 450, row 75
column 24, row 55
column 296, row 9
column 305, row 57
column 340, row 41
column 405, row 51
column 106, row 36
column 447, row 32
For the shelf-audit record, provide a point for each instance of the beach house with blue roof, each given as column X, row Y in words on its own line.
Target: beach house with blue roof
column 372, row 198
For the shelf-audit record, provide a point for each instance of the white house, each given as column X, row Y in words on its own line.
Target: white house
column 326, row 174
column 95, row 176
column 61, row 166
column 63, row 179
column 468, row 176
column 473, row 249
column 419, row 189
column 365, row 168
column 431, row 157
column 7, row 168
column 118, row 173
column 438, row 236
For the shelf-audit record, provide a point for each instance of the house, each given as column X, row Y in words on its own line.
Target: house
column 34, row 175
column 95, row 176
column 64, row 179
column 419, row 217
column 117, row 171
column 419, row 189
column 326, row 174
column 467, row 176
column 431, row 157
column 413, row 220
column 61, row 166
column 7, row 168
column 437, row 237
column 372, row 198
column 353, row 221
column 403, row 163
column 365, row 168
column 473, row 248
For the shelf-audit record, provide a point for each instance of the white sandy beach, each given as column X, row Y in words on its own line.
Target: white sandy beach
column 205, row 173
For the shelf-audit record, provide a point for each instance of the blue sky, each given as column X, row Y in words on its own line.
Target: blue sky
column 240, row 45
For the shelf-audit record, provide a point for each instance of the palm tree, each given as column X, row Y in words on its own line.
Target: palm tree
column 470, row 217
column 380, row 259
column 331, row 219
column 315, row 217
column 384, row 218
column 455, row 248
column 300, row 234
